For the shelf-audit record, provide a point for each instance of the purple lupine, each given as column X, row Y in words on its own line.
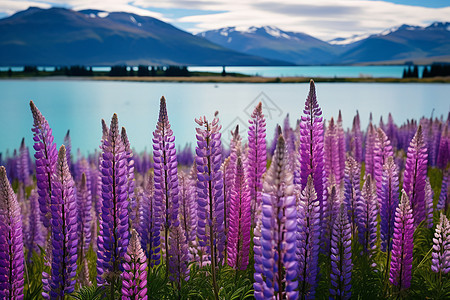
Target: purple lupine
column 227, row 172
column 371, row 138
column 68, row 144
column 188, row 211
column 382, row 151
column 443, row 157
column 367, row 213
column 113, row 239
column 352, row 192
column 240, row 220
column 428, row 204
column 84, row 201
column 341, row 256
column 415, row 175
column 130, row 170
column 341, row 145
column 276, row 276
column 402, row 248
column 391, row 131
column 166, row 176
column 440, row 257
column 134, row 277
column 11, row 242
column 388, row 203
column 445, row 192
column 257, row 157
column 311, row 148
column 210, row 229
column 356, row 139
column 46, row 156
column 23, row 165
column 331, row 143
column 179, row 255
column 64, row 236
column 34, row 237
column 308, row 228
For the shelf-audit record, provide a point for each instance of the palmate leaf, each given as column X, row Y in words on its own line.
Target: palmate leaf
column 90, row 293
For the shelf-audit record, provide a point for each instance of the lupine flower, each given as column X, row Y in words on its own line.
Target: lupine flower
column 356, row 139
column 311, row 148
column 341, row 256
column 210, row 229
column 308, row 240
column 240, row 220
column 382, row 151
column 166, row 176
column 402, row 248
column 367, row 212
column 276, row 277
column 415, row 175
column 440, row 261
column 34, row 237
column 23, row 164
column 257, row 157
column 341, row 146
column 11, row 242
column 428, row 203
column 352, row 192
column 134, row 276
column 84, row 202
column 83, row 277
column 68, row 144
column 371, row 138
column 179, row 255
column 445, row 191
column 388, row 203
column 63, row 233
column 391, row 131
column 331, row 143
column 188, row 210
column 227, row 172
column 443, row 157
column 45, row 156
column 114, row 237
column 130, row 169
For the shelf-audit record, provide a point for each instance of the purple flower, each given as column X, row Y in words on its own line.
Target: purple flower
column 134, row 276
column 445, row 191
column 179, row 254
column 240, row 220
column 428, row 204
column 64, row 237
column 257, row 157
column 352, row 192
column 276, row 269
column 188, row 210
column 45, row 156
column 402, row 248
column 341, row 257
column 308, row 227
column 415, row 175
column 356, row 139
column 114, row 236
column 23, row 165
column 84, row 202
column 332, row 163
column 382, row 151
column 367, row 212
column 68, row 144
column 440, row 261
column 11, row 242
column 130, row 170
column 341, row 145
column 371, row 139
column 34, row 236
column 443, row 157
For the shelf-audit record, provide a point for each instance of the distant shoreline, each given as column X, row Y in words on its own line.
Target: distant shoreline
column 233, row 79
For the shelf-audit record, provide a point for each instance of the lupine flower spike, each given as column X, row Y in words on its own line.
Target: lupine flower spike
column 11, row 242
column 84, row 216
column 440, row 261
column 352, row 192
column 445, row 192
column 367, row 212
column 134, row 283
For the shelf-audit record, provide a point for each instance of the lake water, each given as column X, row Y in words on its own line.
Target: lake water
column 80, row 105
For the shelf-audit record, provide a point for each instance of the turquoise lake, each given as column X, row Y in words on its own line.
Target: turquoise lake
column 79, row 105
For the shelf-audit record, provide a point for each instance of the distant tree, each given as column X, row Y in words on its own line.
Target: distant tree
column 224, row 73
column 9, row 72
column 425, row 72
column 143, row 71
column 415, row 72
column 153, row 71
column 131, row 72
column 118, row 71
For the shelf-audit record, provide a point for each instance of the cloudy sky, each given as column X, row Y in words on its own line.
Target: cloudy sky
column 325, row 19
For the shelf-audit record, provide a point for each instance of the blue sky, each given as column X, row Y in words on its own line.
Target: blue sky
column 325, row 19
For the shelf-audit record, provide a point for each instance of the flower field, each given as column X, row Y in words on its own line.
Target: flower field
column 316, row 212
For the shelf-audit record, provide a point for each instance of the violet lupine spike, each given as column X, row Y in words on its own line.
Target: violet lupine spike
column 341, row 146
column 333, row 206
column 257, row 157
column 210, row 229
column 166, row 175
column 356, row 148
column 46, row 156
column 367, row 211
column 428, row 204
column 331, row 143
column 371, row 138
column 388, row 203
column 402, row 248
column 415, row 175
column 114, row 236
column 440, row 257
column 240, row 221
column 34, row 238
column 179, row 254
column 227, row 171
column 311, row 148
column 11, row 242
column 352, row 192
column 68, row 144
column 134, row 276
column 443, row 202
column 188, row 211
column 308, row 224
column 391, row 131
column 23, row 165
column 130, row 170
column 443, row 157
column 84, row 201
column 341, row 257
column 382, row 151
column 63, row 232
column 276, row 277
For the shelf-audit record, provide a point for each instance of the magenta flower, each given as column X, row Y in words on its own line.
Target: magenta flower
column 134, row 276
column 382, row 151
column 11, row 242
column 440, row 261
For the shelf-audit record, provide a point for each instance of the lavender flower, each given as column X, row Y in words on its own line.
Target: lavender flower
column 371, row 138
column 68, row 144
column 276, row 277
column 240, row 220
column 367, row 213
column 188, row 210
column 428, row 204
column 331, row 142
column 179, row 256
column 11, row 242
column 341, row 257
column 382, row 151
column 114, row 237
column 308, row 225
column 63, row 233
column 415, row 175
column 45, row 156
column 23, row 165
column 443, row 157
column 341, row 146
column 130, row 170
column 356, row 139
column 445, row 191
column 34, row 237
column 352, row 191
column 402, row 250
column 134, row 277
column 84, row 216
column 440, row 261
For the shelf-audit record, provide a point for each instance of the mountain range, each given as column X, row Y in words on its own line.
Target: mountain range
column 59, row 36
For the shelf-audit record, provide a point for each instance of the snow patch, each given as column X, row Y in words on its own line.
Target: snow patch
column 103, row 14
column 92, row 16
column 229, row 40
column 224, row 33
column 348, row 40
